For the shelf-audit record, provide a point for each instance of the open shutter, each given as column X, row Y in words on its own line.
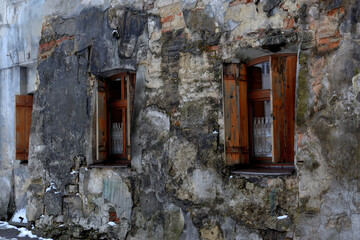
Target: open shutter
column 236, row 114
column 23, row 116
column 101, row 121
column 283, row 75
column 131, row 79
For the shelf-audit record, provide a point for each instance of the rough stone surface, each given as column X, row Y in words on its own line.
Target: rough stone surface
column 178, row 186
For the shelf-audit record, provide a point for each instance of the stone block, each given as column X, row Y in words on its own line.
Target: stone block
column 53, row 203
column 211, row 232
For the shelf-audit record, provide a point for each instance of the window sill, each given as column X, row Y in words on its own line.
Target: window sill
column 115, row 164
column 266, row 171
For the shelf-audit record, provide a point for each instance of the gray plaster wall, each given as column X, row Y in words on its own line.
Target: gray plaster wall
column 20, row 31
column 178, row 186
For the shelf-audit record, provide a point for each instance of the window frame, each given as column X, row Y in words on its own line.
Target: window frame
column 290, row 76
column 104, row 105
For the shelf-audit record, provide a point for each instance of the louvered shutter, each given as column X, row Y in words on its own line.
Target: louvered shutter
column 236, row 114
column 23, row 115
column 283, row 75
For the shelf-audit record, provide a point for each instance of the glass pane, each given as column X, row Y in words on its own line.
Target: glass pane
column 259, row 76
column 261, row 123
column 114, row 87
column 117, row 133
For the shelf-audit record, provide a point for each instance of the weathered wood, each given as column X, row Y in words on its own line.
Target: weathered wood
column 232, row 115
column 244, row 117
column 102, row 130
column 23, row 117
column 289, row 101
column 278, row 75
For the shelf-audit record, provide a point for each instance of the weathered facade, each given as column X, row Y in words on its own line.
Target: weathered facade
column 178, row 185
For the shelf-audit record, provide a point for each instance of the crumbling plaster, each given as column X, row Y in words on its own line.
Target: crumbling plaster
column 178, row 185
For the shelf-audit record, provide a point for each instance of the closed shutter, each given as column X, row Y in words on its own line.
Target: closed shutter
column 236, row 114
column 283, row 74
column 23, row 115
column 101, row 121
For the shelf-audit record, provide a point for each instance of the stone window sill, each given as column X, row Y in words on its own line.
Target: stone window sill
column 113, row 164
column 266, row 171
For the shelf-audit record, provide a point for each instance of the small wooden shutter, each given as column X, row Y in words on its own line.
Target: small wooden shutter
column 101, row 121
column 236, row 114
column 23, row 116
column 131, row 79
column 283, row 74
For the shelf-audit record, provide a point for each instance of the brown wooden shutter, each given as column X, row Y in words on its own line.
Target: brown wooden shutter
column 23, row 117
column 131, row 79
column 283, row 75
column 236, row 114
column 101, row 122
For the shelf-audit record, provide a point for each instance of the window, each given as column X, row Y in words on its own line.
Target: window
column 23, row 116
column 259, row 105
column 115, row 99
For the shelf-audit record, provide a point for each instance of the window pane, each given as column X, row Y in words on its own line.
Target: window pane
column 259, row 76
column 261, row 124
column 114, row 87
column 117, row 132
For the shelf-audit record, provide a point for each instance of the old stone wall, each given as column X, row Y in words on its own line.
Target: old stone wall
column 178, row 186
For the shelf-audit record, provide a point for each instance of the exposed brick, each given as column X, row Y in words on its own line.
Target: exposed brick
column 336, row 11
column 113, row 217
column 236, row 2
column 166, row 30
column 289, row 22
column 168, row 19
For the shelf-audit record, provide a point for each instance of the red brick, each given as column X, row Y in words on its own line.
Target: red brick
column 236, row 2
column 335, row 11
column 289, row 22
column 168, row 19
column 166, row 30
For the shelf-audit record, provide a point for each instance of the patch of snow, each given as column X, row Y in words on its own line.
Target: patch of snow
column 86, row 169
column 5, row 225
column 52, row 186
column 215, row 132
column 26, row 233
column 282, row 217
column 73, row 172
column 20, row 216
column 112, row 224
column 57, row 192
column 23, row 231
column 231, row 176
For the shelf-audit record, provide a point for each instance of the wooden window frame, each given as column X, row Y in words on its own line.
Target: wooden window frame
column 238, row 124
column 103, row 126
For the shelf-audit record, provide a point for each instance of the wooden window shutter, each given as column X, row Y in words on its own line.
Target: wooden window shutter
column 236, row 114
column 131, row 80
column 283, row 75
column 101, row 121
column 23, row 115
